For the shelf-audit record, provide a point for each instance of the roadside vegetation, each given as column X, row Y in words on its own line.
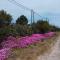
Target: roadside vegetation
column 25, row 40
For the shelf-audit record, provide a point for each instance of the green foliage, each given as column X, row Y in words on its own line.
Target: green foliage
column 5, row 18
column 23, row 30
column 1, row 22
column 11, row 30
column 3, row 32
column 41, row 26
column 8, row 30
column 29, row 31
column 20, row 30
column 54, row 28
column 22, row 27
column 34, row 28
column 22, row 20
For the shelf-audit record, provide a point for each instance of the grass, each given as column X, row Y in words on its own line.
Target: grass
column 32, row 51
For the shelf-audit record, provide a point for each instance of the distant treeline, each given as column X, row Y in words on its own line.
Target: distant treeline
column 21, row 27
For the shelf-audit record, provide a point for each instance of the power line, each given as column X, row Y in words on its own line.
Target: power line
column 22, row 6
column 16, row 3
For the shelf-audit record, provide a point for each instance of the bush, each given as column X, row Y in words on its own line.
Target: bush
column 23, row 30
column 7, row 31
column 41, row 26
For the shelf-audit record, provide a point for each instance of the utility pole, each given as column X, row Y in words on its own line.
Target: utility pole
column 32, row 16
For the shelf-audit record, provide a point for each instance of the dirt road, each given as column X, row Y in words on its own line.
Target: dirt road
column 55, row 53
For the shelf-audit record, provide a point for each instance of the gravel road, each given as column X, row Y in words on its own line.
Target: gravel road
column 55, row 53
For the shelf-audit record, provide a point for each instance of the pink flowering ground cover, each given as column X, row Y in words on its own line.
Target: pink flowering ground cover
column 4, row 53
column 50, row 34
column 10, row 42
column 27, row 41
column 23, row 42
column 34, row 38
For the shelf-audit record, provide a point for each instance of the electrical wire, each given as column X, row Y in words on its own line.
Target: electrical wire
column 22, row 6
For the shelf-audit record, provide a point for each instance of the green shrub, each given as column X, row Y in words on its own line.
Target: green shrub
column 41, row 26
column 23, row 30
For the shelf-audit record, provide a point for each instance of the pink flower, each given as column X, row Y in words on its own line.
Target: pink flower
column 4, row 53
column 11, row 42
column 50, row 34
column 25, row 41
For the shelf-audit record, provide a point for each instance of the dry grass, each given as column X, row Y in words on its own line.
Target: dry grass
column 32, row 51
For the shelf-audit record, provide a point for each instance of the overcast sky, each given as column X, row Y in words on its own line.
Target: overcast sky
column 46, row 8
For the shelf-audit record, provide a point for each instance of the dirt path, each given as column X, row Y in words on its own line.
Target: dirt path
column 54, row 55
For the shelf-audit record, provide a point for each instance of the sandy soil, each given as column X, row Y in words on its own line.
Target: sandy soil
column 54, row 54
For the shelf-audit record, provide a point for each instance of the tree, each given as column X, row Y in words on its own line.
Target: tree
column 22, row 20
column 1, row 22
column 54, row 28
column 34, row 27
column 5, row 21
column 5, row 18
column 43, row 26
